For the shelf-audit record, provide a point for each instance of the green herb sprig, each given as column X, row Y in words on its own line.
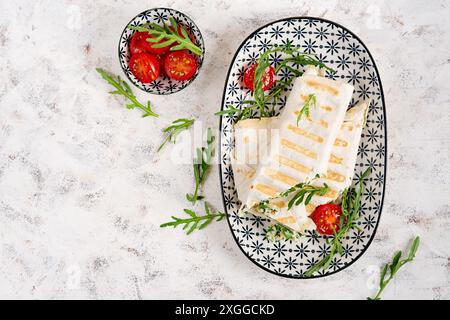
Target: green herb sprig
column 194, row 221
column 202, row 165
column 295, row 58
column 170, row 36
column 277, row 232
column 304, row 193
column 174, row 130
column 122, row 88
column 241, row 114
column 310, row 102
column 351, row 202
column 258, row 92
column 394, row 266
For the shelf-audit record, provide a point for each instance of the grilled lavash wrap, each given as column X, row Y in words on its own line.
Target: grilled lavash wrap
column 280, row 152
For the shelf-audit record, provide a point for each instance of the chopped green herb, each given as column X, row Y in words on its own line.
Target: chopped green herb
column 277, row 232
column 264, row 207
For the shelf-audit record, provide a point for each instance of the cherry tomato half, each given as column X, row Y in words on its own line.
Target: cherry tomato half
column 137, row 41
column 326, row 217
column 180, row 65
column 144, row 66
column 268, row 79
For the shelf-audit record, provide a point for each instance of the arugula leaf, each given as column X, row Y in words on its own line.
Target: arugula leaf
column 310, row 102
column 194, row 221
column 305, row 193
column 230, row 111
column 258, row 92
column 394, row 266
column 351, row 202
column 170, row 35
column 242, row 114
column 202, row 165
column 174, row 130
column 295, row 58
column 123, row 88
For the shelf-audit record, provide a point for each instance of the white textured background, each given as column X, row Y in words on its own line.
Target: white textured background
column 82, row 191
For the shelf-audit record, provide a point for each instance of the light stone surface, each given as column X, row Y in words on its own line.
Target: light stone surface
column 83, row 191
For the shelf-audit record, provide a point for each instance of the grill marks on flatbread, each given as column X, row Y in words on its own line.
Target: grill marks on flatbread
column 306, row 134
column 280, row 176
column 297, row 148
column 320, row 86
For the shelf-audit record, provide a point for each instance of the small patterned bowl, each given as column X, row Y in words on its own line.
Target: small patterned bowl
column 162, row 85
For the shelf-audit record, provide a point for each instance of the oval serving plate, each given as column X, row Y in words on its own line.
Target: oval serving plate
column 162, row 85
column 340, row 49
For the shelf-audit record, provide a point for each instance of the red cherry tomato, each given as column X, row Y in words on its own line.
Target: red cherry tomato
column 268, row 79
column 144, row 66
column 326, row 217
column 180, row 65
column 139, row 44
column 136, row 41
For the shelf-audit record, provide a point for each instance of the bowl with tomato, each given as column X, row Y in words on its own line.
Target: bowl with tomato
column 161, row 51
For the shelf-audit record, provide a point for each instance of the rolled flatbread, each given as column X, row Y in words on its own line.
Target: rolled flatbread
column 258, row 181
